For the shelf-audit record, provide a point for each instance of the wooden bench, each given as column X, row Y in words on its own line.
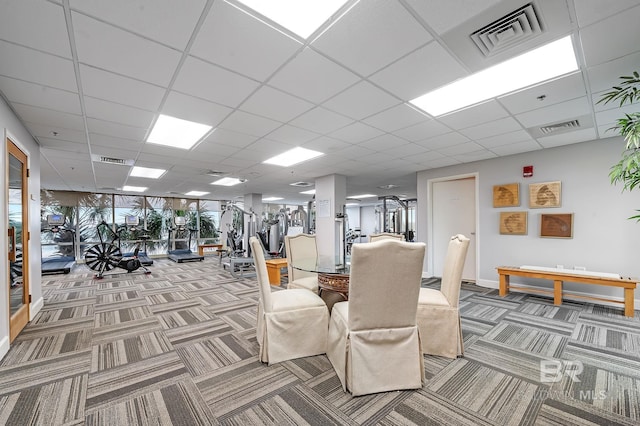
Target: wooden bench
column 561, row 275
column 273, row 268
column 202, row 247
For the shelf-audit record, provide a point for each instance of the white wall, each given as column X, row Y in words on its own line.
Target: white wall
column 603, row 239
column 10, row 126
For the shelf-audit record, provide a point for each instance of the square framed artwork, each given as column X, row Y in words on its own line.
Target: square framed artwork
column 513, row 223
column 544, row 194
column 507, row 195
column 558, row 225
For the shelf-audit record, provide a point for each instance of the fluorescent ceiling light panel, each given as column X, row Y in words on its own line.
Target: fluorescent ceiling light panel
column 541, row 64
column 299, row 17
column 228, row 181
column 177, row 133
column 309, row 192
column 134, row 188
column 272, row 199
column 147, row 172
column 293, row 156
column 196, row 193
column 362, row 196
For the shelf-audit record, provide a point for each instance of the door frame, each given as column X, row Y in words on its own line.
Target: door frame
column 18, row 321
column 431, row 225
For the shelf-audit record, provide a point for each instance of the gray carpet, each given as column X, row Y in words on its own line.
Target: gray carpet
column 178, row 347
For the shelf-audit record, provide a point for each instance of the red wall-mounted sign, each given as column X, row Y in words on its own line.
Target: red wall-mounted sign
column 527, row 171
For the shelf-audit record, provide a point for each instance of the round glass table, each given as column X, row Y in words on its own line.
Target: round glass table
column 333, row 277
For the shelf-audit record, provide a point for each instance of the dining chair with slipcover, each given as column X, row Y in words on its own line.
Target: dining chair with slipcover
column 438, row 312
column 374, row 342
column 383, row 235
column 292, row 323
column 301, row 246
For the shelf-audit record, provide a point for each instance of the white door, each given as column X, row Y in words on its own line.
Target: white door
column 454, row 212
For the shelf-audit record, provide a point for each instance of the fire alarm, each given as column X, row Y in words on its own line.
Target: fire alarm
column 527, row 171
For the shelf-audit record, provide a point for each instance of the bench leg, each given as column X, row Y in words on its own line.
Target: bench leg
column 557, row 292
column 628, row 302
column 504, row 285
column 274, row 275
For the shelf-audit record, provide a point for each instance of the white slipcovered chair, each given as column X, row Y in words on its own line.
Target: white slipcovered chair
column 374, row 342
column 383, row 235
column 438, row 313
column 301, row 246
column 291, row 323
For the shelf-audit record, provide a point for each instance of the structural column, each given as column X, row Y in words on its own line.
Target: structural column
column 331, row 194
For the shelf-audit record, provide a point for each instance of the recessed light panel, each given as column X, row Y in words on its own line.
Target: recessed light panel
column 196, row 193
column 309, row 192
column 293, row 156
column 147, row 172
column 272, row 199
column 362, row 196
column 299, row 17
column 541, row 64
column 177, row 133
column 228, row 181
column 134, row 188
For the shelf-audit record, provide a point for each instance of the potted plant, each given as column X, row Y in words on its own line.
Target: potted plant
column 627, row 170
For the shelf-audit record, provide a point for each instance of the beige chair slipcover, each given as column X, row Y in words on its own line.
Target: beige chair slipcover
column 301, row 246
column 438, row 314
column 291, row 323
column 383, row 235
column 374, row 342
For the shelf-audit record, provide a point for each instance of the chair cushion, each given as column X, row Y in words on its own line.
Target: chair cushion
column 429, row 296
column 308, row 283
column 296, row 298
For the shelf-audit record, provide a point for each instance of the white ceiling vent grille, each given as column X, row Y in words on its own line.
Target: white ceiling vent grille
column 508, row 31
column 301, row 184
column 111, row 160
column 214, row 173
column 560, row 127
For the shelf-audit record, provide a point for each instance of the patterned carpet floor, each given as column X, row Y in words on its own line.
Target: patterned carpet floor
column 178, row 347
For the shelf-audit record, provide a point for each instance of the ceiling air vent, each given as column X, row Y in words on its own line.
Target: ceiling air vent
column 560, row 127
column 111, row 160
column 301, row 184
column 512, row 29
column 214, row 173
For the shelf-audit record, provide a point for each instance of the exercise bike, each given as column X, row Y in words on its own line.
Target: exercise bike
column 106, row 256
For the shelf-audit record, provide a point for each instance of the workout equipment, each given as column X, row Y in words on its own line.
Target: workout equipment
column 180, row 255
column 63, row 261
column 132, row 223
column 104, row 257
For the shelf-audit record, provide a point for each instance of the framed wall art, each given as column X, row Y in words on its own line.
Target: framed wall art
column 545, row 194
column 506, row 195
column 558, row 225
column 513, row 223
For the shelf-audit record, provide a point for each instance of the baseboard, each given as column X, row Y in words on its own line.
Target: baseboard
column 496, row 285
column 35, row 308
column 4, row 346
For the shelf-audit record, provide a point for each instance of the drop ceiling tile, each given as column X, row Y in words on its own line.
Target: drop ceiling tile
column 235, row 40
column 419, row 72
column 555, row 113
column 230, row 138
column 516, row 148
column 28, row 65
column 105, row 85
column 372, row 35
column 604, row 76
column 42, row 130
column 422, row 131
column 462, row 148
column 568, row 138
column 395, row 118
column 590, row 11
column 406, row 150
column 611, row 116
column 443, row 162
column 113, row 49
column 505, row 139
column 212, row 150
column 105, row 141
column 170, row 23
column 377, row 158
column 326, row 144
column 492, row 128
column 313, row 77
column 360, row 101
column 249, row 124
column 321, row 120
column 109, row 111
column 475, row 115
column 189, row 108
column 47, row 117
column 207, row 81
column 555, row 91
column 59, row 146
column 356, row 132
column 444, row 15
column 274, row 104
column 35, row 24
column 468, row 157
column 384, row 142
column 427, row 156
column 443, row 141
column 292, row 135
column 116, row 130
column 622, row 32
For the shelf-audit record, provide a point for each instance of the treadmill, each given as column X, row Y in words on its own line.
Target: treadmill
column 132, row 222
column 180, row 255
column 63, row 261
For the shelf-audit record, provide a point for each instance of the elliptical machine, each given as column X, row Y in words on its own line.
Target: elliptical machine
column 106, row 256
